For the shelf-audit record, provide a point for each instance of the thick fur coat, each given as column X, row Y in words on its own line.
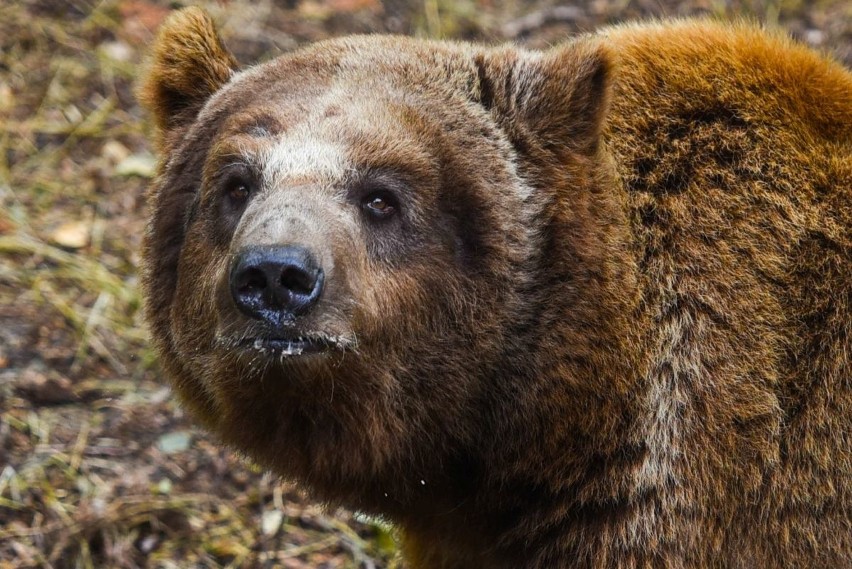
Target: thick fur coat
column 589, row 307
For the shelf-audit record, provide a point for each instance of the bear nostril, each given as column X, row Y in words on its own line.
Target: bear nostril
column 252, row 280
column 298, row 281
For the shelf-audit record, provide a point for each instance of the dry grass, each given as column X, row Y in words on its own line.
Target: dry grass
column 98, row 466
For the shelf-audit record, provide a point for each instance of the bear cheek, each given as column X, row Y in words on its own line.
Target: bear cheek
column 398, row 302
column 194, row 314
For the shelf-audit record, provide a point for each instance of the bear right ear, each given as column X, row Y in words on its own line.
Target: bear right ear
column 555, row 100
column 188, row 64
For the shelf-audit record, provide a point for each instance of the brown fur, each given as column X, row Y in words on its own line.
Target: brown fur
column 611, row 327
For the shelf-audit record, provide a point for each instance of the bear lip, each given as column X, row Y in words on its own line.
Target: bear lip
column 296, row 346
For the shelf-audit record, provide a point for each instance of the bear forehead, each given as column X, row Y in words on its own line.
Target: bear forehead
column 320, row 112
column 384, row 57
column 324, row 142
column 351, row 72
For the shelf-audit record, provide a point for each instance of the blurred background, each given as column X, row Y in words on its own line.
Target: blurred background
column 99, row 468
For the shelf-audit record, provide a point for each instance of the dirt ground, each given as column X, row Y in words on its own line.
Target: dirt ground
column 99, row 467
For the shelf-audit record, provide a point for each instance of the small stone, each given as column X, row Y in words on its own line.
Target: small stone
column 175, row 442
column 814, row 37
column 164, row 486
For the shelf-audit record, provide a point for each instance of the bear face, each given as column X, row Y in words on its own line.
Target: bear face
column 302, row 227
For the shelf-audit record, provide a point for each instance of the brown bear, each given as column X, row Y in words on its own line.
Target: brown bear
column 586, row 307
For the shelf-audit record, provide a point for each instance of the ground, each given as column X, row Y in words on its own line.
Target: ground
column 99, row 467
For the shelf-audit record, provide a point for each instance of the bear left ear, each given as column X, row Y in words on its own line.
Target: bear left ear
column 188, row 64
column 556, row 100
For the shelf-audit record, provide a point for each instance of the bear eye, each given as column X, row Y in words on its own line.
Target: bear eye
column 238, row 191
column 380, row 205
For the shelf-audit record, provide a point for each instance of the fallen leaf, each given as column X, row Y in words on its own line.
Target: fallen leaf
column 7, row 97
column 271, row 522
column 72, row 235
column 6, row 225
column 226, row 547
column 117, row 50
column 142, row 165
column 115, row 152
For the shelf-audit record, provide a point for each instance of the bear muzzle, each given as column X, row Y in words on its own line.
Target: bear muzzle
column 275, row 285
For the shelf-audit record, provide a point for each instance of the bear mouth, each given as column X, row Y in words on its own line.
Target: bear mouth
column 291, row 347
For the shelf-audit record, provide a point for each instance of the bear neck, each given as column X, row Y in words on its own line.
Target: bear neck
column 566, row 401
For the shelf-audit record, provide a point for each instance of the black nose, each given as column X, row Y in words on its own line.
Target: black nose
column 274, row 283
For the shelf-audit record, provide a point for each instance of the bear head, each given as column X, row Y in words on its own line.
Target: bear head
column 343, row 260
